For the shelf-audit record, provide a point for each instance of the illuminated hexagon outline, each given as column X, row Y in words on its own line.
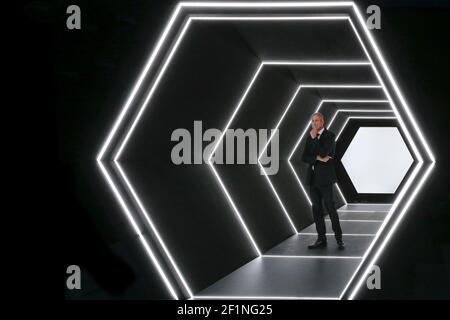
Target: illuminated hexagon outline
column 297, row 91
column 348, row 117
column 379, row 60
column 337, row 136
column 337, row 86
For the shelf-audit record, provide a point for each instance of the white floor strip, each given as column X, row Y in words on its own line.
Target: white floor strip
column 264, row 298
column 353, row 220
column 310, row 257
column 371, row 211
column 344, row 234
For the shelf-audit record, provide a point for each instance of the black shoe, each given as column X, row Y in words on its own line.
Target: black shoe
column 318, row 244
column 341, row 245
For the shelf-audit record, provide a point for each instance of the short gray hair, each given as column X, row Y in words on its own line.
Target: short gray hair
column 319, row 115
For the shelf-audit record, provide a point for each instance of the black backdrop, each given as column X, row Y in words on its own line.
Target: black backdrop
column 89, row 73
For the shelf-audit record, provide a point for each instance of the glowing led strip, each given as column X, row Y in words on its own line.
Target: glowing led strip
column 407, row 184
column 107, row 143
column 357, row 111
column 279, row 200
column 385, row 221
column 215, row 172
column 236, row 110
column 275, row 18
column 369, row 204
column 150, row 222
column 344, row 234
column 259, row 4
column 317, row 63
column 113, row 132
column 122, row 174
column 333, row 101
column 337, row 137
column 309, row 257
column 180, row 37
column 137, row 230
column 235, row 209
column 119, row 120
column 337, row 86
column 265, row 298
column 357, row 117
column 306, row 129
column 391, row 78
column 315, row 86
column 152, row 90
column 166, row 63
column 391, row 231
column 138, row 83
column 141, row 110
column 357, row 220
column 344, row 210
column 380, row 228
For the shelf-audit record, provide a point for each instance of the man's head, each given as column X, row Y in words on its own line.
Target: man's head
column 317, row 120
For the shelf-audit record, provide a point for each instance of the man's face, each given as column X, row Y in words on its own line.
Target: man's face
column 316, row 122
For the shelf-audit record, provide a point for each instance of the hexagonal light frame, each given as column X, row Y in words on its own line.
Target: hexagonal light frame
column 241, row 101
column 291, row 100
column 337, row 86
column 338, row 135
column 405, row 121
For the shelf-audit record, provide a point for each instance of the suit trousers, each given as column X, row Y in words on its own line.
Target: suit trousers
column 325, row 194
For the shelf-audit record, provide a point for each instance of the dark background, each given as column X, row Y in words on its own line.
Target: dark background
column 79, row 79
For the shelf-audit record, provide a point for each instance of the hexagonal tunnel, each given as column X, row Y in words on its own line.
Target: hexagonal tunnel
column 232, row 230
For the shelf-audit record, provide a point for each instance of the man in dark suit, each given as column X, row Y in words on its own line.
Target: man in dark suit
column 318, row 153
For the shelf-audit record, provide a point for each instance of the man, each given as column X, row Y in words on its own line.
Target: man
column 319, row 153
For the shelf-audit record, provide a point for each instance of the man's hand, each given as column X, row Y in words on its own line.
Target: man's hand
column 313, row 133
column 323, row 159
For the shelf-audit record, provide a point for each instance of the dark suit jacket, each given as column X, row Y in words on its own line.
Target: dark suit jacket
column 324, row 173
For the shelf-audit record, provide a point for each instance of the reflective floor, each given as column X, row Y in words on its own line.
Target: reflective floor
column 291, row 271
